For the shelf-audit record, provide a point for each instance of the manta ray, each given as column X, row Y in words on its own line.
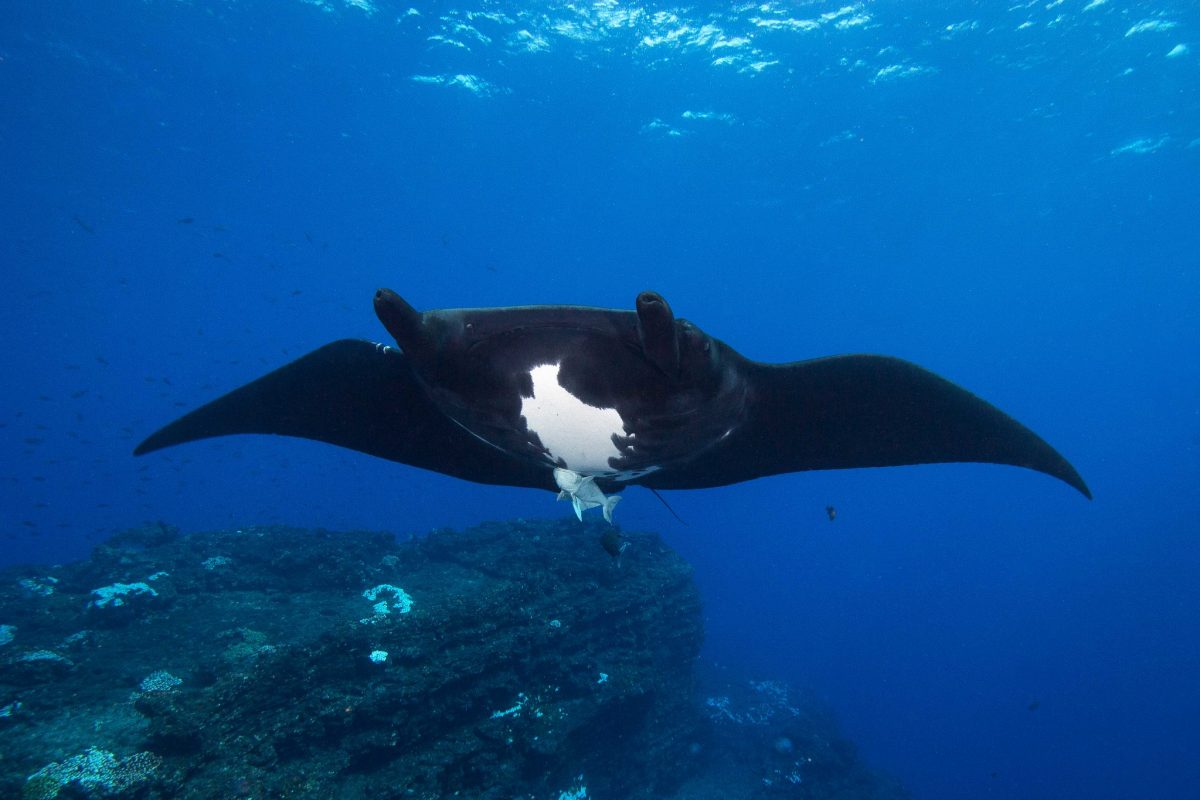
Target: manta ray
column 587, row 401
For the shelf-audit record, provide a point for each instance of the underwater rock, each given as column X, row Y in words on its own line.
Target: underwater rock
column 765, row 739
column 513, row 659
column 316, row 664
column 32, row 667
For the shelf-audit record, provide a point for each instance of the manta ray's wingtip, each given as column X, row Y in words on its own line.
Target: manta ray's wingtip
column 1072, row 478
column 1036, row 453
column 153, row 442
column 1039, row 456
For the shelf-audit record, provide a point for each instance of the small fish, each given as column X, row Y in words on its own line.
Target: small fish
column 583, row 493
column 613, row 543
column 831, row 512
column 82, row 224
column 1035, row 705
column 185, row 221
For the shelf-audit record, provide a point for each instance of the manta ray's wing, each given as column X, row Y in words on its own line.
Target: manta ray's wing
column 359, row 395
column 860, row 411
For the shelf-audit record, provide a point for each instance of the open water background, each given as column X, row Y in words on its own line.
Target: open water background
column 194, row 193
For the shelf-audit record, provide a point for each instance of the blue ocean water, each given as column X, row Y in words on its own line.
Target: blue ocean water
column 194, row 193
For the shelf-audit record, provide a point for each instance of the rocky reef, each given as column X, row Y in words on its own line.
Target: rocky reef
column 512, row 660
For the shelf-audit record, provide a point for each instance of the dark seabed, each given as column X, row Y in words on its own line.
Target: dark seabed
column 193, row 193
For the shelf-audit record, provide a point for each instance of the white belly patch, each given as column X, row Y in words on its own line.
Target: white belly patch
column 570, row 429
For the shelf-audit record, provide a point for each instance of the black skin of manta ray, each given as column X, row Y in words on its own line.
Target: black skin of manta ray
column 694, row 413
